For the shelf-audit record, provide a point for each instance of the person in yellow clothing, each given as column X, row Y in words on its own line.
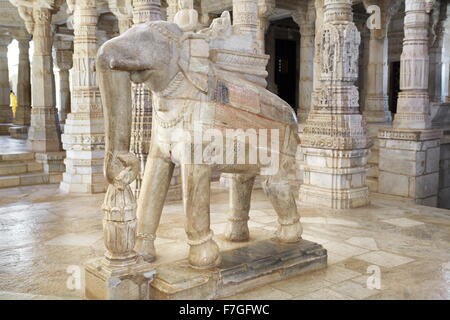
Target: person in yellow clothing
column 13, row 99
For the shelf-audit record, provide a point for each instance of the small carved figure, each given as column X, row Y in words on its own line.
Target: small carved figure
column 187, row 17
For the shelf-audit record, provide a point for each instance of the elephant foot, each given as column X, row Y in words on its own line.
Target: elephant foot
column 237, row 231
column 145, row 247
column 204, row 253
column 290, row 233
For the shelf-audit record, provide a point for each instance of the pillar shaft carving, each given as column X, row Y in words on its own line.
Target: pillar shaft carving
column 245, row 19
column 83, row 137
column 413, row 110
column 305, row 17
column 64, row 62
column 334, row 140
column 5, row 109
column 44, row 132
column 376, row 104
column 23, row 93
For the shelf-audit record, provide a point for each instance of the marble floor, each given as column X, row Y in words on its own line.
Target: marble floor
column 46, row 236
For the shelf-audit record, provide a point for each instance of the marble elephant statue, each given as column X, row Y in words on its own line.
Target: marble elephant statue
column 189, row 92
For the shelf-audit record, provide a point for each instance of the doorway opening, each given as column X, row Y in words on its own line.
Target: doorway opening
column 394, row 86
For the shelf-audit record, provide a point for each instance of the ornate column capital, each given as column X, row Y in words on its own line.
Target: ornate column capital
column 36, row 10
column 5, row 39
column 63, row 55
column 123, row 10
column 305, row 17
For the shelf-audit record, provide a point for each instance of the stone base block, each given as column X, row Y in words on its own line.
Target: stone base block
column 241, row 269
column 409, row 164
column 335, row 199
column 4, row 128
column 19, row 132
column 103, row 282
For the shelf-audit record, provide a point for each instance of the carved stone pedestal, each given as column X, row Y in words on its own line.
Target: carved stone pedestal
column 241, row 269
column 105, row 282
column 409, row 164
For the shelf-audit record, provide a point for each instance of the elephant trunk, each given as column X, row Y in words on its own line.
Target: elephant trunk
column 115, row 90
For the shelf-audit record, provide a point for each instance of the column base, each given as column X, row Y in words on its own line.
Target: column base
column 19, row 132
column 409, row 164
column 106, row 282
column 335, row 178
column 83, row 175
column 4, row 128
column 44, row 136
column 23, row 116
column 53, row 164
column 335, row 199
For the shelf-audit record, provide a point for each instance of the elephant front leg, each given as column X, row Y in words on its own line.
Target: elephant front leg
column 241, row 187
column 203, row 251
column 158, row 173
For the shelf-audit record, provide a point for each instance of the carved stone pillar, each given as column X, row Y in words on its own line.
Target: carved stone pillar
column 376, row 104
column 84, row 138
column 305, row 17
column 64, row 62
column 124, row 13
column 265, row 10
column 23, row 93
column 172, row 9
column 334, row 140
column 5, row 108
column 410, row 152
column 318, row 5
column 245, row 20
column 413, row 110
column 143, row 11
column 44, row 132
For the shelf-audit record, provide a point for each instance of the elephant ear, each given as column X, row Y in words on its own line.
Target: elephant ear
column 194, row 60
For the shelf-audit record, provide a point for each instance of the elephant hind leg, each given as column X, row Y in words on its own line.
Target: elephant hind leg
column 203, row 250
column 241, row 187
column 279, row 192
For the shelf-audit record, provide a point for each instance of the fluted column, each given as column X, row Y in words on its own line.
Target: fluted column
column 5, row 108
column 64, row 62
column 23, row 93
column 334, row 140
column 305, row 17
column 413, row 109
column 143, row 11
column 84, row 138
